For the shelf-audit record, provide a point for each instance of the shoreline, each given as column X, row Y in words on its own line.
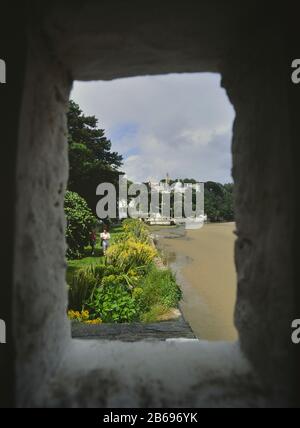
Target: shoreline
column 203, row 262
column 176, row 313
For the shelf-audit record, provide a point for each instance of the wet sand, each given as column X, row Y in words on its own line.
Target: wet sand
column 203, row 261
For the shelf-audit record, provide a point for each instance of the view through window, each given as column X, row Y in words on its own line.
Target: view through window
column 166, row 129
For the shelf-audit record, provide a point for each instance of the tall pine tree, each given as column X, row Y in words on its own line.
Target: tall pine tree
column 90, row 157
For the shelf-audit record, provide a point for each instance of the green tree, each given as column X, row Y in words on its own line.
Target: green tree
column 90, row 157
column 218, row 201
column 80, row 222
column 228, row 202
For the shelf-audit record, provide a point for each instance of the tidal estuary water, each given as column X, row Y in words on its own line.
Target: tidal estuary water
column 203, row 261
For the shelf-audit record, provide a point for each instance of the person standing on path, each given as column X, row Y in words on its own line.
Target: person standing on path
column 105, row 237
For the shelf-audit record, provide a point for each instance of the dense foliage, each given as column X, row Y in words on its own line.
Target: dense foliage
column 157, row 292
column 130, row 253
column 218, row 201
column 128, row 287
column 80, row 221
column 113, row 301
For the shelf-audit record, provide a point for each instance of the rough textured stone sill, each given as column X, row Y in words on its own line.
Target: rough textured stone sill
column 134, row 331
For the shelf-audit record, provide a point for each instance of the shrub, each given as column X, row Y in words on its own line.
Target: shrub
column 113, row 301
column 159, row 288
column 86, row 279
column 82, row 285
column 154, row 313
column 136, row 229
column 80, row 221
column 130, row 254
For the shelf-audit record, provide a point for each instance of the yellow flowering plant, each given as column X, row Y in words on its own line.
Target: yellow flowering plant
column 83, row 316
column 136, row 229
column 131, row 254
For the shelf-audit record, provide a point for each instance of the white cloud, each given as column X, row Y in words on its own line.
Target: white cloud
column 179, row 124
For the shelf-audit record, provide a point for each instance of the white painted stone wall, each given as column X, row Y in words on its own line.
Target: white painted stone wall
column 52, row 369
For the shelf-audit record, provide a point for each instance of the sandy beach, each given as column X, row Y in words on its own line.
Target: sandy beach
column 203, row 261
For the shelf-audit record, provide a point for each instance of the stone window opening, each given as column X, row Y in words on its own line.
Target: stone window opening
column 52, row 369
column 205, row 128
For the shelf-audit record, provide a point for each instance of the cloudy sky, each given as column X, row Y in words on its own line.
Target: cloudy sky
column 178, row 123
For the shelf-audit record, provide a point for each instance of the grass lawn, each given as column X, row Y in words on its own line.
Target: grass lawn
column 97, row 258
